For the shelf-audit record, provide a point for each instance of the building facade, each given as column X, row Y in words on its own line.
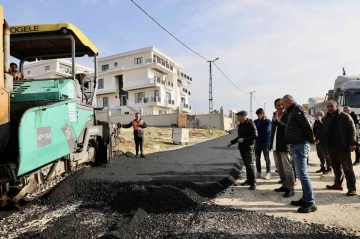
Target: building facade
column 53, row 69
column 144, row 80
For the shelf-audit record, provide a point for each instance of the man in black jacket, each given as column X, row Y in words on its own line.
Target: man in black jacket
column 321, row 148
column 299, row 135
column 247, row 134
column 340, row 137
column 281, row 150
column 355, row 118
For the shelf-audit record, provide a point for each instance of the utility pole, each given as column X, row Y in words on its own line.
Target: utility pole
column 210, row 87
column 251, row 96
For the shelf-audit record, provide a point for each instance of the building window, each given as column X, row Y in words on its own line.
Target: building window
column 104, row 67
column 157, row 79
column 168, row 97
column 138, row 61
column 139, row 97
column 47, row 68
column 101, row 84
column 28, row 72
column 115, row 64
column 105, row 101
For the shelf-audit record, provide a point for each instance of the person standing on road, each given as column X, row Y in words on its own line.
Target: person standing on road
column 355, row 118
column 247, row 134
column 299, row 135
column 138, row 124
column 321, row 148
column 281, row 151
column 262, row 142
column 340, row 137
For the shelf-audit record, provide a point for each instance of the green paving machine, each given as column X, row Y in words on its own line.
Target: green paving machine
column 48, row 127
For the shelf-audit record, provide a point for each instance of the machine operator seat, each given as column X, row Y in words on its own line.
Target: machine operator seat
column 80, row 80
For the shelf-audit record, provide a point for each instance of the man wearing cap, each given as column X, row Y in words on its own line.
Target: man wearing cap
column 262, row 143
column 247, row 134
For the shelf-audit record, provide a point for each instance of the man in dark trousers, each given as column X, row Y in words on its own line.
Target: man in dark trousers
column 299, row 135
column 281, row 151
column 262, row 142
column 138, row 124
column 247, row 134
column 321, row 148
column 355, row 118
column 340, row 137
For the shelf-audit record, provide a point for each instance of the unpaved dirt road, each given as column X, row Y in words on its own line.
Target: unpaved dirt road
column 334, row 208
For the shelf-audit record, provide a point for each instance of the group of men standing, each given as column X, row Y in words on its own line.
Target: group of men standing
column 289, row 135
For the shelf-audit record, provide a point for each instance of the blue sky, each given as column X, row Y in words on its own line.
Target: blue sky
column 273, row 47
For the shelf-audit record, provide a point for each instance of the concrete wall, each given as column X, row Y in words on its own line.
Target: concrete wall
column 218, row 121
column 151, row 120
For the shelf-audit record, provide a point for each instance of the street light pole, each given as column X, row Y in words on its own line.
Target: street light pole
column 251, row 95
column 210, row 90
column 264, row 107
column 210, row 87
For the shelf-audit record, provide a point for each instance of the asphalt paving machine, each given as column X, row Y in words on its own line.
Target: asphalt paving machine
column 48, row 127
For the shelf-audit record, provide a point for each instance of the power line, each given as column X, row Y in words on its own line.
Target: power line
column 187, row 46
column 168, row 31
column 257, row 100
column 229, row 79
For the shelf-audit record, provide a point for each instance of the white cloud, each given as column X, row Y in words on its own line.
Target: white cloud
column 298, row 48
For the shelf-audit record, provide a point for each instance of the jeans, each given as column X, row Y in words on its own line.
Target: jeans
column 265, row 148
column 284, row 165
column 342, row 159
column 323, row 155
column 299, row 153
column 248, row 159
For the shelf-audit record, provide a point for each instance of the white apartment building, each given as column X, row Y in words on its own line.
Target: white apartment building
column 52, row 69
column 144, row 79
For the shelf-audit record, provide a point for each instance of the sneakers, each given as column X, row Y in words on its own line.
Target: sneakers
column 356, row 163
column 307, row 208
column 335, row 187
column 142, row 156
column 281, row 189
column 258, row 175
column 351, row 193
column 252, row 187
column 268, row 176
column 289, row 193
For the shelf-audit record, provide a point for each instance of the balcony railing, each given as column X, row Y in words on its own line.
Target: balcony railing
column 159, row 61
column 156, row 80
column 154, row 99
column 170, row 84
column 186, row 77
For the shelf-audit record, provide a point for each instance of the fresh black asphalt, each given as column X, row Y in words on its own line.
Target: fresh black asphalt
column 165, row 195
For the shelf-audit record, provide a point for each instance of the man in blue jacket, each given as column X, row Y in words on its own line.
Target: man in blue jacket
column 262, row 143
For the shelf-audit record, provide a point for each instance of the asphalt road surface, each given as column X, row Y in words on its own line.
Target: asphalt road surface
column 166, row 195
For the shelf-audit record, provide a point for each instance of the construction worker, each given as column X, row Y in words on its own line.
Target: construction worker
column 138, row 124
column 15, row 72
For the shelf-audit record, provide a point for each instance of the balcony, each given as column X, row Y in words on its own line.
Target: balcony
column 143, row 83
column 160, row 63
column 169, row 84
column 184, row 76
column 185, row 107
column 184, row 91
column 151, row 101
